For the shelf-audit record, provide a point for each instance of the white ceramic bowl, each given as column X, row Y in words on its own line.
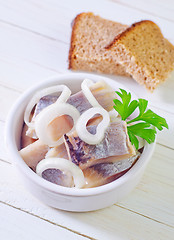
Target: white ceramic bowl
column 69, row 199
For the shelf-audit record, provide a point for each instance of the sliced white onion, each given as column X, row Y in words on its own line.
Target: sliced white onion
column 82, row 131
column 113, row 115
column 88, row 94
column 47, row 115
column 141, row 142
column 66, row 92
column 63, row 165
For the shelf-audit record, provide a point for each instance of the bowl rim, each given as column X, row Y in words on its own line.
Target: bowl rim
column 14, row 154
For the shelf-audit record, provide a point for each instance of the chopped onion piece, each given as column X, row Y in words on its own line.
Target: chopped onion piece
column 66, row 92
column 63, row 165
column 113, row 115
column 47, row 115
column 82, row 131
column 88, row 94
column 141, row 142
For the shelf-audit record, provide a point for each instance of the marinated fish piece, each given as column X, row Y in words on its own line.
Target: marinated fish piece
column 95, row 176
column 25, row 140
column 54, row 175
column 59, row 152
column 34, row 153
column 59, row 126
column 104, row 173
column 58, row 177
column 114, row 147
column 43, row 103
column 103, row 93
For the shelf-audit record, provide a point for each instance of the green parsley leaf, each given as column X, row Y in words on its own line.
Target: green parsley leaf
column 142, row 130
column 144, row 124
column 125, row 108
column 133, row 139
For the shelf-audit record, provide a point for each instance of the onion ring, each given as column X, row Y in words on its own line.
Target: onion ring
column 66, row 92
column 82, row 131
column 88, row 94
column 47, row 115
column 63, row 165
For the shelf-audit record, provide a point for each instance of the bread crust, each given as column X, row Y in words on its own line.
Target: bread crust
column 74, row 25
column 127, row 31
column 149, row 64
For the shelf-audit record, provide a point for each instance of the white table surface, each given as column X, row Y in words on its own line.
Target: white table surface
column 34, row 43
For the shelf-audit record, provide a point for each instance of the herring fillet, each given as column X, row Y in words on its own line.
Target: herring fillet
column 114, row 147
column 96, row 175
column 103, row 93
column 35, row 152
column 104, row 173
column 58, row 177
column 25, row 140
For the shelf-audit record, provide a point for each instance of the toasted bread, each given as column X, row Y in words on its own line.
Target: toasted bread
column 145, row 53
column 90, row 35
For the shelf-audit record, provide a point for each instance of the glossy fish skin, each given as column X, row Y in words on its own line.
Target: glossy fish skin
column 101, row 91
column 114, row 147
column 78, row 100
column 104, row 173
column 58, row 177
column 43, row 103
column 54, row 175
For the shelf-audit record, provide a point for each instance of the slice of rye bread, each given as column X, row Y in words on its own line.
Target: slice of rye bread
column 145, row 53
column 90, row 35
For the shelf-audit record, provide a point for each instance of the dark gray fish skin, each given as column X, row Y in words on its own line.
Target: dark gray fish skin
column 58, row 177
column 115, row 144
column 78, row 100
column 110, row 169
column 103, row 93
column 43, row 103
column 104, row 173
column 96, row 175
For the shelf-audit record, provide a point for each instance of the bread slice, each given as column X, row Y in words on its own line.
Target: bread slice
column 145, row 53
column 90, row 35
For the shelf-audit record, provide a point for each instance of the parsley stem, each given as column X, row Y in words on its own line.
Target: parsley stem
column 134, row 120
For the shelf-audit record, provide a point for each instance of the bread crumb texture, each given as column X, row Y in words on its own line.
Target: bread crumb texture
column 90, row 35
column 145, row 53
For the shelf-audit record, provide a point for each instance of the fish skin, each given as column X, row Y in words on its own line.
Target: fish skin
column 43, row 103
column 110, row 148
column 104, row 173
column 78, row 100
column 58, row 177
column 101, row 91
column 35, row 152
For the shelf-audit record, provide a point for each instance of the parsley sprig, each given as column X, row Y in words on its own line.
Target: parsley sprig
column 145, row 124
